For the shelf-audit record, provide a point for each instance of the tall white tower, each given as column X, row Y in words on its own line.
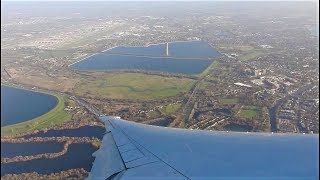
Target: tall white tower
column 167, row 49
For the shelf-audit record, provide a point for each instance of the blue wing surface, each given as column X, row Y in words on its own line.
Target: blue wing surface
column 137, row 151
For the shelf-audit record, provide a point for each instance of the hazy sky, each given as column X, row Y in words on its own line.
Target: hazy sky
column 161, row 0
column 317, row 1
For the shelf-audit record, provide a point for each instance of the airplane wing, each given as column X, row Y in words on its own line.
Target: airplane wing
column 137, row 151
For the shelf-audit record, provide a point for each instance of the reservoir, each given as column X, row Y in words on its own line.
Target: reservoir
column 19, row 105
column 9, row 150
column 189, row 58
column 104, row 61
column 193, row 49
column 77, row 156
column 152, row 50
column 188, row 49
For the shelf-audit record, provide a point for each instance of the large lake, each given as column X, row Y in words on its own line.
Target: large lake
column 183, row 57
column 193, row 49
column 18, row 105
column 161, row 64
column 190, row 49
column 152, row 50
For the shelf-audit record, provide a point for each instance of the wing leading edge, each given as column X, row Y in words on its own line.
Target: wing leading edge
column 137, row 151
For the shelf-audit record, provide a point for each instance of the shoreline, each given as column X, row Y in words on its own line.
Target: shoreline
column 33, row 89
column 82, row 59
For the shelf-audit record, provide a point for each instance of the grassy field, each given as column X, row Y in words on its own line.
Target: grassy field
column 164, row 111
column 154, row 114
column 237, row 47
column 249, row 112
column 133, row 86
column 251, row 55
column 56, row 116
column 170, row 109
column 248, row 52
column 229, row 100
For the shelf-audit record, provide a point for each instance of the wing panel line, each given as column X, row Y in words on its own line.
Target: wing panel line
column 152, row 153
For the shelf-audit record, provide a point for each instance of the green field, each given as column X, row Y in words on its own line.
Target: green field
column 170, row 109
column 249, row 112
column 56, row 116
column 251, row 55
column 236, row 47
column 164, row 111
column 229, row 100
column 154, row 114
column 133, row 86
column 248, row 52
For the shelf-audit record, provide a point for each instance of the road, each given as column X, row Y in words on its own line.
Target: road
column 274, row 109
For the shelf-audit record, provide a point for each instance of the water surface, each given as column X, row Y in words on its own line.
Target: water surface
column 77, row 156
column 189, row 49
column 19, row 105
column 190, row 58
column 163, row 64
column 84, row 131
column 9, row 150
column 152, row 50
column 192, row 49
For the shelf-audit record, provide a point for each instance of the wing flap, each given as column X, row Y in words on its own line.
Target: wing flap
column 131, row 155
column 107, row 161
column 156, row 170
column 148, row 158
column 126, row 147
